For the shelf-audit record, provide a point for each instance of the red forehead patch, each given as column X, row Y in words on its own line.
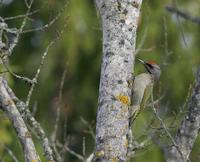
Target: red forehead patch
column 152, row 62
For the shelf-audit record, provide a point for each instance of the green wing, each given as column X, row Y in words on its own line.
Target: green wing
column 146, row 96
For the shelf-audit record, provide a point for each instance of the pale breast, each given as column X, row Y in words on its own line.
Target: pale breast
column 140, row 83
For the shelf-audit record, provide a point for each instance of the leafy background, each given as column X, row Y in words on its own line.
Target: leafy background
column 79, row 52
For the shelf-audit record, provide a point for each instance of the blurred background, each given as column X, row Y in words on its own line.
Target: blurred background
column 171, row 41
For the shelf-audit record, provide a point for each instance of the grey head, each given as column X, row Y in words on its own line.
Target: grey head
column 153, row 68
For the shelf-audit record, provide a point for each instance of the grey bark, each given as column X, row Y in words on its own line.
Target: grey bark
column 119, row 24
column 9, row 107
column 189, row 128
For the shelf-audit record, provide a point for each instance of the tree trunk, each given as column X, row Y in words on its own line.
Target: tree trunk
column 119, row 24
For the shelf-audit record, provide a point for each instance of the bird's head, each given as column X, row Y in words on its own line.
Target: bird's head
column 152, row 67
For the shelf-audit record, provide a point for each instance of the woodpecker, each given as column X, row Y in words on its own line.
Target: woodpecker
column 142, row 87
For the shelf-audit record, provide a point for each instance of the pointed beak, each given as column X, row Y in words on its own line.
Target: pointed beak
column 140, row 60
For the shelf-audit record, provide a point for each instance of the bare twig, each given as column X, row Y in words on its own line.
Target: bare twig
column 26, row 3
column 35, row 79
column 137, row 146
column 49, row 24
column 64, row 147
column 54, row 133
column 65, row 129
column 26, row 79
column 90, row 129
column 156, row 101
column 90, row 158
column 188, row 96
column 12, row 46
column 83, row 152
column 165, row 127
column 10, row 153
column 21, row 16
column 58, row 106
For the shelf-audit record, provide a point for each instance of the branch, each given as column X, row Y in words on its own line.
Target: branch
column 189, row 128
column 12, row 46
column 72, row 152
column 58, row 116
column 20, row 16
column 35, row 79
column 10, row 153
column 49, row 24
column 9, row 107
column 165, row 127
column 195, row 20
column 33, row 123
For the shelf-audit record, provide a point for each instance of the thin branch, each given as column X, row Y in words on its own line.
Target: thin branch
column 26, row 3
column 58, row 106
column 55, row 131
column 90, row 129
column 90, row 158
column 25, row 18
column 64, row 147
column 12, row 46
column 78, row 156
column 165, row 127
column 65, row 129
column 84, row 147
column 26, row 79
column 11, row 154
column 21, row 16
column 137, row 146
column 49, row 24
column 35, row 79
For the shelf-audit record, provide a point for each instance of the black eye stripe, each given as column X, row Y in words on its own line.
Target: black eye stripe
column 149, row 65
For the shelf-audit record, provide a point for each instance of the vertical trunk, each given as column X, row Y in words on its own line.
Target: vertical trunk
column 119, row 23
